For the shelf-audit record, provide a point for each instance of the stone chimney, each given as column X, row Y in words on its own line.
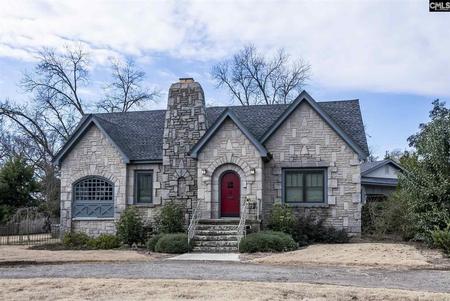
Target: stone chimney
column 184, row 125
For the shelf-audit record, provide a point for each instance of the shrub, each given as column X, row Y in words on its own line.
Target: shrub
column 170, row 218
column 441, row 238
column 175, row 243
column 130, row 228
column 392, row 217
column 267, row 241
column 76, row 240
column 151, row 243
column 310, row 230
column 282, row 219
column 104, row 241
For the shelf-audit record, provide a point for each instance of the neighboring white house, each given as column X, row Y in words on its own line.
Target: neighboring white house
column 379, row 179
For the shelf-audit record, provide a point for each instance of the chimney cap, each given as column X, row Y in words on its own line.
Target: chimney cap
column 186, row 80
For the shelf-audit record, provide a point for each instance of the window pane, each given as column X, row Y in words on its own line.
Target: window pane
column 294, row 179
column 314, row 195
column 314, row 187
column 294, row 195
column 144, row 187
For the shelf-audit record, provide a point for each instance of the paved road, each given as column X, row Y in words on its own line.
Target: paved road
column 423, row 280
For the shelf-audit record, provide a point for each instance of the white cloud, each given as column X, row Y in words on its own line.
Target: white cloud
column 391, row 46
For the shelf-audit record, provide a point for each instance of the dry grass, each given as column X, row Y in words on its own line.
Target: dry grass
column 383, row 255
column 137, row 289
column 22, row 253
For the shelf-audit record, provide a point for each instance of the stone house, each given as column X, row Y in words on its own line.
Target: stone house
column 227, row 165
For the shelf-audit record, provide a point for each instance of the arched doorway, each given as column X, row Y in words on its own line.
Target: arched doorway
column 230, row 194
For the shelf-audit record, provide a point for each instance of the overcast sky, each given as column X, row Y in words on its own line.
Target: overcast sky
column 392, row 55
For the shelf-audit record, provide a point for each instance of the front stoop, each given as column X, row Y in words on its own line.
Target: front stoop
column 216, row 236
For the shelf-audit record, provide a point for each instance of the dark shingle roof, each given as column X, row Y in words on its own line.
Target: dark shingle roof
column 140, row 134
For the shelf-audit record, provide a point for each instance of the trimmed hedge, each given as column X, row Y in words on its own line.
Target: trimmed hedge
column 104, row 242
column 77, row 240
column 151, row 243
column 175, row 243
column 80, row 240
column 267, row 241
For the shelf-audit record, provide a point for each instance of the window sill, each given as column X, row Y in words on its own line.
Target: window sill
column 93, row 218
column 144, row 205
column 316, row 205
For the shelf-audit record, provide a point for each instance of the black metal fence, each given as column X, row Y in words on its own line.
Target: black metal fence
column 29, row 227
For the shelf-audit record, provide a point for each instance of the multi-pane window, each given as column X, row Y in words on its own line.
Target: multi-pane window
column 144, row 186
column 304, row 185
column 93, row 197
column 93, row 189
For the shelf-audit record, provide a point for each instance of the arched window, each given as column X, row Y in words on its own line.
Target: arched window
column 93, row 197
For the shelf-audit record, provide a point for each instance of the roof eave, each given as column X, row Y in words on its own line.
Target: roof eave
column 79, row 133
column 304, row 96
column 213, row 129
column 385, row 162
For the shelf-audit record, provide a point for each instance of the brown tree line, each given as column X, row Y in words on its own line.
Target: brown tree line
column 37, row 130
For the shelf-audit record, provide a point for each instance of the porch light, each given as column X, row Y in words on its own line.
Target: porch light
column 252, row 171
column 204, row 171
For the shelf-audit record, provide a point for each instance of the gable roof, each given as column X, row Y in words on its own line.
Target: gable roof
column 85, row 124
column 227, row 114
column 305, row 97
column 368, row 167
column 139, row 134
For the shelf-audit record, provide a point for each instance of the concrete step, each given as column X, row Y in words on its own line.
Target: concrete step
column 220, row 221
column 217, row 227
column 216, row 244
column 210, row 237
column 215, row 249
column 209, row 232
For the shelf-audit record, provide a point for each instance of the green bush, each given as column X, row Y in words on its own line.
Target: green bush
column 441, row 238
column 267, row 241
column 282, row 219
column 310, row 230
column 170, row 218
column 390, row 217
column 151, row 243
column 76, row 240
column 104, row 241
column 175, row 243
column 130, row 228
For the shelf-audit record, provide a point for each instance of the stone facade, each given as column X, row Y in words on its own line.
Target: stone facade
column 185, row 124
column 146, row 210
column 93, row 155
column 228, row 149
column 303, row 140
column 306, row 140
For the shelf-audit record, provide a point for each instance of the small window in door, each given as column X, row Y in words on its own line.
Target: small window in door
column 230, row 185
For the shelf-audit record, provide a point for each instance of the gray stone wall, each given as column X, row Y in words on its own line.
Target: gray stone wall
column 93, row 155
column 305, row 140
column 228, row 149
column 185, row 123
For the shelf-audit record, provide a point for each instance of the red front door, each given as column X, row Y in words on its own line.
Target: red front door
column 230, row 193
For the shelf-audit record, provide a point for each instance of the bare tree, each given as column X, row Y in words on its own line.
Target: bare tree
column 253, row 78
column 126, row 91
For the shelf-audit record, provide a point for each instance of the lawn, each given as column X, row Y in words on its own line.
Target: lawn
column 138, row 289
column 24, row 254
column 379, row 255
